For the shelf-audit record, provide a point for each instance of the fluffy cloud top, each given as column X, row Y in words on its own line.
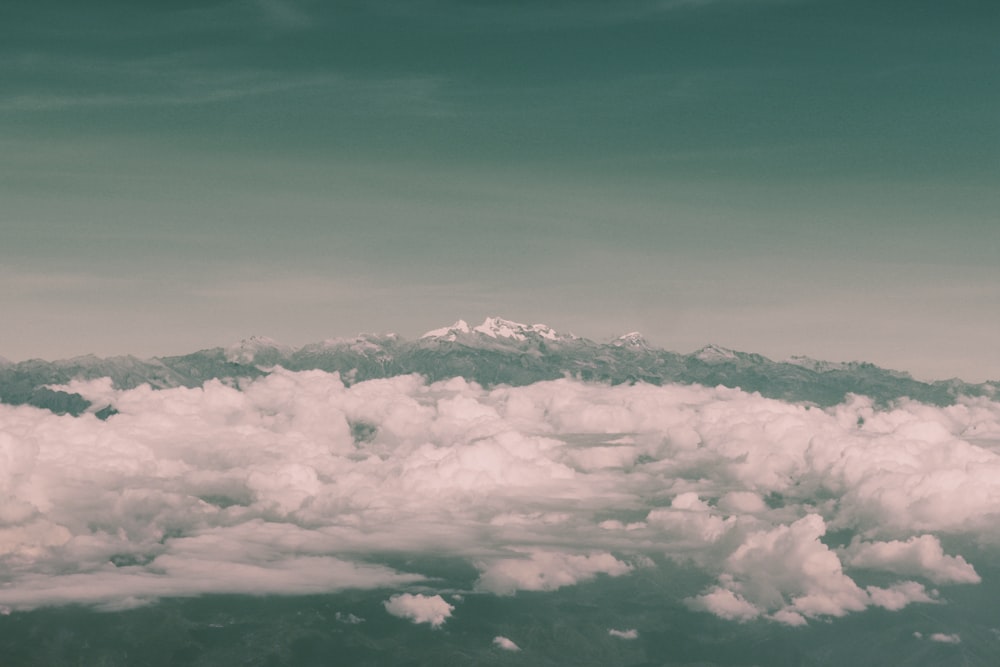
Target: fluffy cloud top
column 295, row 483
column 918, row 556
column 899, row 595
column 787, row 571
column 789, row 574
column 546, row 571
column 505, row 644
column 420, row 608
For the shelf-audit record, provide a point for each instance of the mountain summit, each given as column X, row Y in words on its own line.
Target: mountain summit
column 496, row 328
column 449, row 333
column 256, row 349
column 633, row 339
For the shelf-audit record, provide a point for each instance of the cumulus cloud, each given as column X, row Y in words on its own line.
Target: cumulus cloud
column 742, row 502
column 725, row 603
column 268, row 487
column 899, row 595
column 546, row 571
column 624, row 634
column 945, row 638
column 789, row 568
column 918, row 556
column 420, row 608
column 788, row 574
column 505, row 644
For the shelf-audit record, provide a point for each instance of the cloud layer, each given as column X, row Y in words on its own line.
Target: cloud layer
column 296, row 483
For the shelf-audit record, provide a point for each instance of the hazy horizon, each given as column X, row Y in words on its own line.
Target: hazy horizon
column 473, row 322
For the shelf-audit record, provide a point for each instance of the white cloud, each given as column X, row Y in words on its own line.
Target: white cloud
column 945, row 638
column 898, row 595
column 224, row 489
column 725, row 603
column 918, row 556
column 110, row 587
column 420, row 608
column 742, row 502
column 546, row 571
column 787, row 573
column 788, row 567
column 690, row 522
column 624, row 634
column 505, row 644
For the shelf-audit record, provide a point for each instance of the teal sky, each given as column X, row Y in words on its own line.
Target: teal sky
column 784, row 177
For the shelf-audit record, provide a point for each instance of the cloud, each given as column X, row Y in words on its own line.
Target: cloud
column 788, row 574
column 348, row 619
column 898, row 595
column 264, row 486
column 624, row 634
column 181, row 80
column 725, row 603
column 225, row 88
column 742, row 502
column 505, row 644
column 420, row 608
column 945, row 638
column 788, row 567
column 117, row 587
column 546, row 571
column 918, row 556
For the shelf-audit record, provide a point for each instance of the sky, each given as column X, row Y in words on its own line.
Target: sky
column 777, row 176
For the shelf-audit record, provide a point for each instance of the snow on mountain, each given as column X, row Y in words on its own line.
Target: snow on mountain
column 449, row 333
column 254, row 349
column 631, row 339
column 496, row 327
column 712, row 353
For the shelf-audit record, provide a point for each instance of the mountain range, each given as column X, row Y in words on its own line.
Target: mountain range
column 498, row 351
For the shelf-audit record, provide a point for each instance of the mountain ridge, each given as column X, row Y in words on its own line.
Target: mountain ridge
column 498, row 351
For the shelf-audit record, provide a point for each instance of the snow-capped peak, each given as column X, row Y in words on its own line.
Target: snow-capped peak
column 631, row 339
column 449, row 333
column 496, row 327
column 712, row 352
column 248, row 349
